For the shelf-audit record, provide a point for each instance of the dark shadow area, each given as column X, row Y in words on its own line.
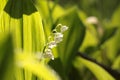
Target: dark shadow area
column 57, row 66
column 16, row 8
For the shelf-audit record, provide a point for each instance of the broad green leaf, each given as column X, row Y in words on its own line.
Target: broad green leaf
column 89, row 40
column 21, row 18
column 43, row 8
column 25, row 22
column 72, row 38
column 6, row 57
column 2, row 5
column 108, row 33
column 83, row 16
column 116, row 17
column 98, row 71
column 112, row 45
column 58, row 67
column 41, row 70
column 116, row 64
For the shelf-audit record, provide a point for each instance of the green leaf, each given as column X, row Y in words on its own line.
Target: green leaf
column 42, row 7
column 72, row 38
column 41, row 70
column 2, row 5
column 115, row 17
column 108, row 33
column 21, row 18
column 116, row 64
column 98, row 71
column 24, row 21
column 6, row 57
column 89, row 41
column 112, row 45
column 58, row 67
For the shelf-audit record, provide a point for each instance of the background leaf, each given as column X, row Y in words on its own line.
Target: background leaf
column 72, row 40
column 73, row 37
column 108, row 33
column 22, row 19
column 99, row 72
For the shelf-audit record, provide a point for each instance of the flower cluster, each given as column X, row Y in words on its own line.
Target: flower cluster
column 55, row 38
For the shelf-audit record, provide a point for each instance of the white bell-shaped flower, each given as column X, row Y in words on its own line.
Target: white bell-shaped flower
column 48, row 54
column 63, row 28
column 58, row 37
column 52, row 44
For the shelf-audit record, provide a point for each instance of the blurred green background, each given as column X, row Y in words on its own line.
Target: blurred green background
column 90, row 49
column 107, row 13
column 102, row 9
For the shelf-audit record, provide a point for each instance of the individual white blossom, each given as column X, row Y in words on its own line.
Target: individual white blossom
column 63, row 29
column 48, row 54
column 58, row 37
column 52, row 44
